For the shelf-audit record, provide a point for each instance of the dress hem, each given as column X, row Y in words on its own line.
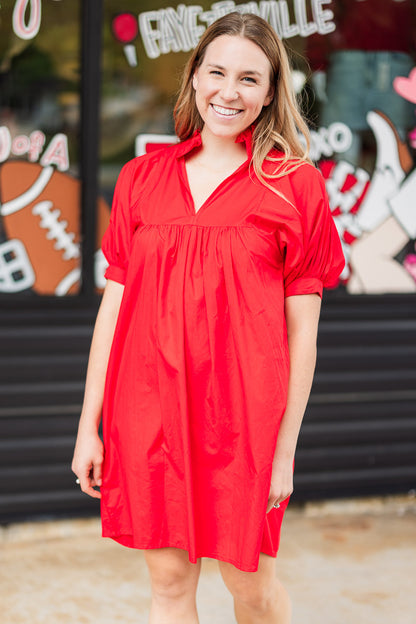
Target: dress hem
column 210, row 555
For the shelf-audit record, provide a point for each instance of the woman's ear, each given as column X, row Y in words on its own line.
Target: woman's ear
column 195, row 80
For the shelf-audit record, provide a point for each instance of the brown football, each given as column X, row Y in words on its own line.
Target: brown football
column 40, row 207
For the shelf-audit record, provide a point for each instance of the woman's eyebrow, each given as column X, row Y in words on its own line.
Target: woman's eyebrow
column 249, row 72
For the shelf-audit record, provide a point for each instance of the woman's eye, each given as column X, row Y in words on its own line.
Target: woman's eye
column 249, row 79
column 216, row 72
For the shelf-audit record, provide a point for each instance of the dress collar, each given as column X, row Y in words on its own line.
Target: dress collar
column 195, row 141
column 246, row 137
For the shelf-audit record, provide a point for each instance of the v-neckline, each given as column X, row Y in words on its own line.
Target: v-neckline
column 215, row 190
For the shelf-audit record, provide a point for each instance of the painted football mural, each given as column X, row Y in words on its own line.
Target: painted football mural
column 40, row 211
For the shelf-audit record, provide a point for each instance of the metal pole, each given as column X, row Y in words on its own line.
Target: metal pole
column 91, row 19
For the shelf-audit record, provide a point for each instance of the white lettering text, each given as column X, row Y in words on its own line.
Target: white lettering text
column 177, row 30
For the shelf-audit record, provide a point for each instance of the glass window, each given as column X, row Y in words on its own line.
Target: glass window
column 138, row 92
column 364, row 139
column 39, row 147
column 353, row 62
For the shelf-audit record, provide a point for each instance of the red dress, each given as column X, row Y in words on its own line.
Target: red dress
column 198, row 372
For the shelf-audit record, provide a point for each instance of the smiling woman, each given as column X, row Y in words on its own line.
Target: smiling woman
column 218, row 249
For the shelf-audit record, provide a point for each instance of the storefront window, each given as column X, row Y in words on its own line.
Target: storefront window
column 39, row 147
column 353, row 62
column 366, row 94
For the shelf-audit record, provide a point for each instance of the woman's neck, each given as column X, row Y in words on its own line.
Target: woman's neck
column 220, row 151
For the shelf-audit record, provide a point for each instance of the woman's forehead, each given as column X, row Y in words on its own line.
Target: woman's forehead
column 237, row 52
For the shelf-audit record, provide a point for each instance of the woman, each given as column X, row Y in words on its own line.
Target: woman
column 218, row 249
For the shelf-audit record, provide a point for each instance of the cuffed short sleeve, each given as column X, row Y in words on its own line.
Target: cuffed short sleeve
column 117, row 238
column 313, row 256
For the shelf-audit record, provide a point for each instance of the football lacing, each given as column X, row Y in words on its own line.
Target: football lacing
column 49, row 220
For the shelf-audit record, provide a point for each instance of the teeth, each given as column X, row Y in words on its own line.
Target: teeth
column 225, row 111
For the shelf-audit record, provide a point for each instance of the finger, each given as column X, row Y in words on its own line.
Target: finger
column 86, row 486
column 270, row 504
column 88, row 489
column 276, row 499
column 97, row 473
column 93, row 493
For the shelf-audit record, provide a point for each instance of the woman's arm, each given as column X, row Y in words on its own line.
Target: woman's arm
column 302, row 316
column 88, row 453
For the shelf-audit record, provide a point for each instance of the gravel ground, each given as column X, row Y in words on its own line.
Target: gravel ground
column 343, row 562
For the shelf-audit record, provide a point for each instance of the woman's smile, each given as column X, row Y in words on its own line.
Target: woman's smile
column 226, row 112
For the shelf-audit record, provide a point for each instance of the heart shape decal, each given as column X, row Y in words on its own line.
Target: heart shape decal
column 406, row 87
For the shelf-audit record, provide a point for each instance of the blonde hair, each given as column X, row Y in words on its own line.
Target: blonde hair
column 279, row 124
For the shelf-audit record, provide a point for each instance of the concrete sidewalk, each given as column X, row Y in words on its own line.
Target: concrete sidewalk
column 349, row 562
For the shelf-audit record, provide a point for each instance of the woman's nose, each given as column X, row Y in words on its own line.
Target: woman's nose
column 229, row 91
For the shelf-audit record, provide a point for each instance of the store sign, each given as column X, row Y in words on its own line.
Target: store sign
column 179, row 29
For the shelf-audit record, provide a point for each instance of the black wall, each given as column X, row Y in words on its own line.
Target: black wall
column 358, row 436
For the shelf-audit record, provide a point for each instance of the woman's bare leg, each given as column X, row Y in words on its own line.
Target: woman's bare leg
column 174, row 582
column 259, row 597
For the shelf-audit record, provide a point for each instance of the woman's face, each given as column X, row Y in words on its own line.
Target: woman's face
column 232, row 85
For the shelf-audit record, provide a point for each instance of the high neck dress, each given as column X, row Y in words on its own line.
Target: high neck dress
column 198, row 372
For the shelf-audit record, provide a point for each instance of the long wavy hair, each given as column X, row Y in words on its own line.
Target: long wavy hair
column 279, row 124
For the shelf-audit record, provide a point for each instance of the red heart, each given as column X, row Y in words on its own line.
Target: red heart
column 406, row 87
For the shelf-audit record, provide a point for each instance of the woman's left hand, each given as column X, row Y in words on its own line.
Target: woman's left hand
column 281, row 486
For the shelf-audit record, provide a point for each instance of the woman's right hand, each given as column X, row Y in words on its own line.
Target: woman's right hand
column 87, row 462
column 89, row 452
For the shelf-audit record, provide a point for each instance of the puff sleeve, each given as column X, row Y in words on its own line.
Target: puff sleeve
column 117, row 238
column 313, row 256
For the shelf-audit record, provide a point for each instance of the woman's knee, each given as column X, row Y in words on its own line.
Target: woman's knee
column 172, row 576
column 255, row 590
